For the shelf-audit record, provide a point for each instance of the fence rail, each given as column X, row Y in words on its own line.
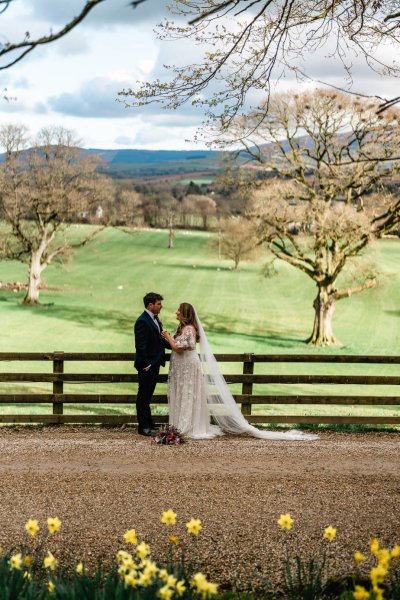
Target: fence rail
column 247, row 398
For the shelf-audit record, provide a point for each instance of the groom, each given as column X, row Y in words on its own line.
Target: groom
column 150, row 355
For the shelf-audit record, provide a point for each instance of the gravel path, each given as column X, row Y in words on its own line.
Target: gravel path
column 100, row 482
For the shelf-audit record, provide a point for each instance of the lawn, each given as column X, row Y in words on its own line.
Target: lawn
column 100, row 294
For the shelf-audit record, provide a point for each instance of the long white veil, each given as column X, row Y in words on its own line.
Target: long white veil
column 222, row 405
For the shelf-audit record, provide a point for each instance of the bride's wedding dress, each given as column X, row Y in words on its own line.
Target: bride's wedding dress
column 197, row 391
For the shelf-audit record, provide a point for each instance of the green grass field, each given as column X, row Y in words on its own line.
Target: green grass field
column 100, row 294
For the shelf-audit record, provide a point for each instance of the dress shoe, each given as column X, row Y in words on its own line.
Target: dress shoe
column 148, row 432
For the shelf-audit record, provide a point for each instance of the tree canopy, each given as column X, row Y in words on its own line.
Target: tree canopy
column 249, row 45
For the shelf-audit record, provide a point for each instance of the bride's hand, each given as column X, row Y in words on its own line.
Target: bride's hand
column 165, row 334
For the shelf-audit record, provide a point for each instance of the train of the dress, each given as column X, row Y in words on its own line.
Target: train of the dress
column 222, row 405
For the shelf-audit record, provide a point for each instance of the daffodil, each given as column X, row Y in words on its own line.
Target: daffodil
column 174, row 539
column 28, row 560
column 378, row 592
column 143, row 550
column 130, row 580
column 163, row 575
column 180, row 588
column 168, row 517
column 79, row 568
column 130, row 537
column 144, row 579
column 330, row 533
column 165, row 593
column 32, row 527
column 27, row 575
column 123, row 555
column 359, row 557
column 150, row 567
column 360, row 593
column 199, row 581
column 285, row 521
column 211, row 589
column 194, row 526
column 16, row 561
column 383, row 556
column 378, row 574
column 395, row 552
column 171, row 581
column 374, row 545
column 53, row 524
column 50, row 562
column 51, row 587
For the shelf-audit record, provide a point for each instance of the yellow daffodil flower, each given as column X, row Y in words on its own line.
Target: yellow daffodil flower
column 395, row 552
column 330, row 533
column 378, row 592
column 285, row 521
column 383, row 556
column 171, row 581
column 211, row 589
column 130, row 537
column 168, row 517
column 180, row 588
column 130, row 580
column 123, row 555
column 163, row 575
column 359, row 557
column 28, row 560
column 143, row 550
column 16, row 561
column 199, row 581
column 144, row 579
column 79, row 568
column 53, row 524
column 174, row 539
column 32, row 527
column 50, row 562
column 51, row 587
column 150, row 568
column 194, row 526
column 374, row 545
column 165, row 593
column 378, row 574
column 360, row 593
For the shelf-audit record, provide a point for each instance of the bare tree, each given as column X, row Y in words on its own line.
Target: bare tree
column 201, row 205
column 237, row 240
column 330, row 201
column 43, row 190
column 12, row 52
column 248, row 45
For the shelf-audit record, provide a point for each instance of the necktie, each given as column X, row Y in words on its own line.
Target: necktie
column 158, row 322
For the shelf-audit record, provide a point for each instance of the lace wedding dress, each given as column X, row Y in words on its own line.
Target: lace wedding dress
column 197, row 392
column 188, row 410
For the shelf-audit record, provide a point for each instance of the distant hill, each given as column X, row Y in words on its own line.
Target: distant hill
column 157, row 163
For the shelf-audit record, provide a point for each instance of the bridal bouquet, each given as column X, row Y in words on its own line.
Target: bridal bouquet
column 170, row 436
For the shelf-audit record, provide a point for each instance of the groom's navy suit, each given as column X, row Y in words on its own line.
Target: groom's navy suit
column 150, row 351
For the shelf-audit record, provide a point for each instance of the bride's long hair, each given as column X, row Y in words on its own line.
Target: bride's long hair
column 187, row 317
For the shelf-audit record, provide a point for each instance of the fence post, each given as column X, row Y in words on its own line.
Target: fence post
column 58, row 386
column 247, row 388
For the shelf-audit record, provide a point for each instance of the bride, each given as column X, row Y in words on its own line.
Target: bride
column 197, row 390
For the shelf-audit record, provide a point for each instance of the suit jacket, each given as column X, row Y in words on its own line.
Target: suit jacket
column 150, row 346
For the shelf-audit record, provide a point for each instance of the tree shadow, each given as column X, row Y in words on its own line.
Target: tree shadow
column 96, row 318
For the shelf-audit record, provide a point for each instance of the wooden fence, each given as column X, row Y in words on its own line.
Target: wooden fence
column 58, row 377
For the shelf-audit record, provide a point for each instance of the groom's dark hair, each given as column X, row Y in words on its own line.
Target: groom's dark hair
column 151, row 298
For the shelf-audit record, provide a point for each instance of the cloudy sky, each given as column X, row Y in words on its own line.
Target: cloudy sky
column 75, row 81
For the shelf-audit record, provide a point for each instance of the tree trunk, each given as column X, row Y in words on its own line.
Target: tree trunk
column 171, row 235
column 324, row 306
column 32, row 295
